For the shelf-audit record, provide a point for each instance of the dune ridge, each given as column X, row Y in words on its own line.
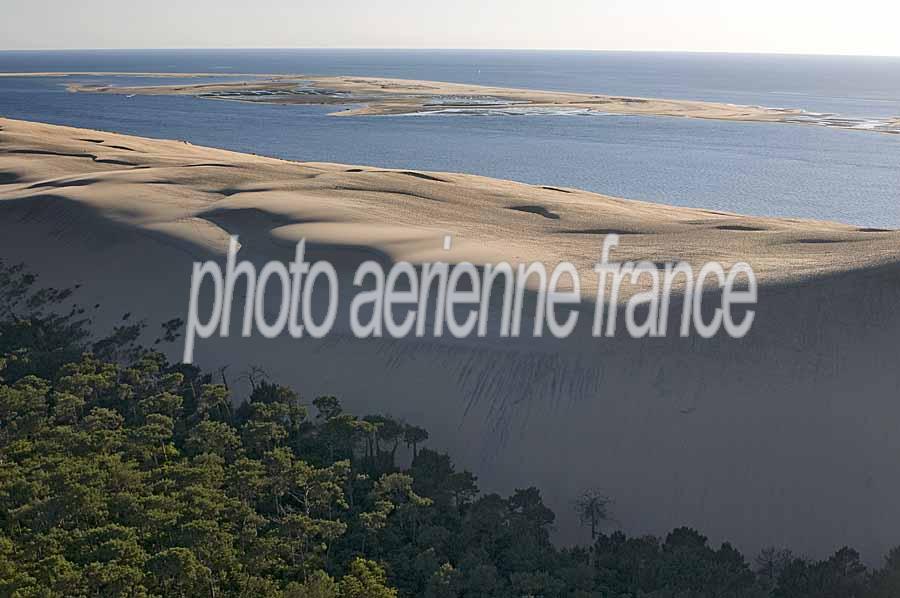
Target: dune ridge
column 189, row 192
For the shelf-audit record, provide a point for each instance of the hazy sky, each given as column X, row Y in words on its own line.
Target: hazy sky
column 800, row 26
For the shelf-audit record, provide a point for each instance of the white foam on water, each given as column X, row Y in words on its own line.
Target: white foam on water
column 523, row 111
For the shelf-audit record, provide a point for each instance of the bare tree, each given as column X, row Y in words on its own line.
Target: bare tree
column 771, row 562
column 593, row 508
column 254, row 376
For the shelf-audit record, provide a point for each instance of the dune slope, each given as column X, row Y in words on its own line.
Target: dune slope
column 787, row 436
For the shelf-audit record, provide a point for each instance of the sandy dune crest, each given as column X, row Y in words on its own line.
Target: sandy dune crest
column 202, row 195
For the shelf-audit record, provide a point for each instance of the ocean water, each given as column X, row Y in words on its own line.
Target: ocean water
column 754, row 168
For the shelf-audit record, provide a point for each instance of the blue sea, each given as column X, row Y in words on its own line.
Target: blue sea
column 754, row 168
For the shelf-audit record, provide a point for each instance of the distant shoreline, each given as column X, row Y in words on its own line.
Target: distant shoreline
column 368, row 96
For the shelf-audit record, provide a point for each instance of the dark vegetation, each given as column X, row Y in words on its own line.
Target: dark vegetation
column 122, row 474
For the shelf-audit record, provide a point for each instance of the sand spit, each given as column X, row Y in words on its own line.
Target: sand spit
column 786, row 437
column 383, row 96
column 134, row 74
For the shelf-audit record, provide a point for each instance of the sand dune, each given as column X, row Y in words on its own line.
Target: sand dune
column 174, row 186
column 787, row 436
